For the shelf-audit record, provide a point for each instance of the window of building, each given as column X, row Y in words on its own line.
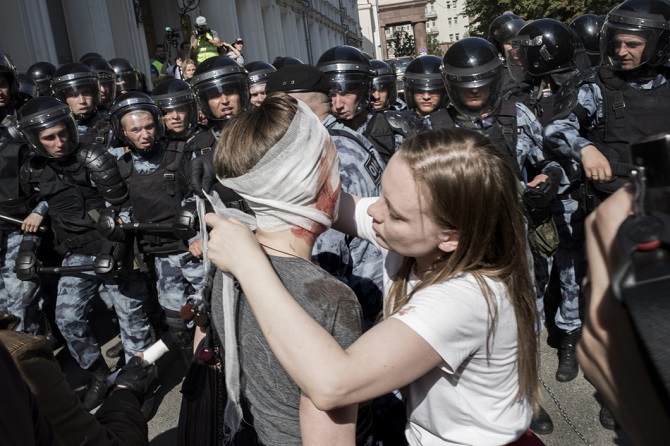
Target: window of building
column 454, row 1
column 449, row 21
column 451, row 37
column 433, row 23
column 455, row 20
column 448, row 5
column 457, row 36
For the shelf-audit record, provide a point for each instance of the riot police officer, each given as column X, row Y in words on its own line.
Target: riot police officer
column 16, row 297
column 384, row 93
column 258, row 77
column 78, row 86
column 78, row 181
column 501, row 31
column 547, row 49
column 588, row 27
column 350, row 76
column 425, row 93
column 127, row 76
column 155, row 171
column 42, row 72
column 179, row 109
column 106, row 81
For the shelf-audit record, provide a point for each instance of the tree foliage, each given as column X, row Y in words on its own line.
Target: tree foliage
column 483, row 12
column 403, row 43
column 433, row 46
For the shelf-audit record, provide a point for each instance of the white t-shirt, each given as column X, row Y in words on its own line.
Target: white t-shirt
column 471, row 397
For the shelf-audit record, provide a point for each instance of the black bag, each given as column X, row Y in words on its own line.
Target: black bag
column 203, row 398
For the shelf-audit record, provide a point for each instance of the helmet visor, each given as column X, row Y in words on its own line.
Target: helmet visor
column 223, row 97
column 627, row 47
column 475, row 98
column 51, row 137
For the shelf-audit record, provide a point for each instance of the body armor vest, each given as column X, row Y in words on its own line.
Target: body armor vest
column 381, row 135
column 503, row 133
column 156, row 197
column 13, row 202
column 629, row 115
column 74, row 203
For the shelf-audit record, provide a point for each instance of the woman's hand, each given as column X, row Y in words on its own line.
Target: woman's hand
column 232, row 246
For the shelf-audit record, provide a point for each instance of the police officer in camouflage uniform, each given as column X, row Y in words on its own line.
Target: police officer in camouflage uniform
column 626, row 101
column 356, row 262
column 384, row 93
column 548, row 49
column 350, row 76
column 78, row 86
column 17, row 297
column 78, row 181
column 154, row 170
column 425, row 93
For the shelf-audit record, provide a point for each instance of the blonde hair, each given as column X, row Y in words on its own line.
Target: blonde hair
column 471, row 188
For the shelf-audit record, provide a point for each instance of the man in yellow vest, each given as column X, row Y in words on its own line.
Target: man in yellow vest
column 205, row 41
column 159, row 65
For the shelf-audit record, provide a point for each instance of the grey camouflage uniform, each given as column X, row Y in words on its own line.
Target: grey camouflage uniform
column 177, row 280
column 563, row 137
column 17, row 297
column 356, row 262
column 127, row 290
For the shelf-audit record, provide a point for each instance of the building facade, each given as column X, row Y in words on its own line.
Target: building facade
column 61, row 31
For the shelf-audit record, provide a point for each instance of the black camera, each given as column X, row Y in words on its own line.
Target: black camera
column 641, row 279
column 201, row 30
column 171, row 37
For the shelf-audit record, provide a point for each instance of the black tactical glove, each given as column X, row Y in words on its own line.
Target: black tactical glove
column 139, row 377
column 108, row 227
column 201, row 174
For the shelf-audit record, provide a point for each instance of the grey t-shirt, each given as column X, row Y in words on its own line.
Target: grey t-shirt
column 273, row 397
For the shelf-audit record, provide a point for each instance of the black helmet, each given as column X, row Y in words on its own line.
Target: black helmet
column 106, row 78
column 42, row 72
column 348, row 70
column 258, row 72
column 43, row 113
column 217, row 76
column 648, row 19
column 283, row 61
column 384, row 79
column 473, row 63
column 133, row 102
column 27, row 87
column 73, row 79
column 503, row 28
column 542, row 47
column 423, row 74
column 127, row 77
column 588, row 27
column 86, row 56
column 8, row 70
column 176, row 95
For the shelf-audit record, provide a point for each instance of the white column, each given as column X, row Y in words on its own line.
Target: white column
column 274, row 36
column 251, row 30
column 128, row 36
column 89, row 27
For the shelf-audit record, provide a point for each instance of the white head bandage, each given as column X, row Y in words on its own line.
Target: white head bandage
column 286, row 188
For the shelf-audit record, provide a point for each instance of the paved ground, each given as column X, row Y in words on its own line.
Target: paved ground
column 571, row 405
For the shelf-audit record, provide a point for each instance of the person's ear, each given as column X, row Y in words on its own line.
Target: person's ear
column 449, row 241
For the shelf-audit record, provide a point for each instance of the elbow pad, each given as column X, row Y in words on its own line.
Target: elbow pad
column 104, row 171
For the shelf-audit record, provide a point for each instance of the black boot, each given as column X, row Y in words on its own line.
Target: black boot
column 567, row 358
column 180, row 334
column 607, row 418
column 115, row 351
column 541, row 422
column 97, row 389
